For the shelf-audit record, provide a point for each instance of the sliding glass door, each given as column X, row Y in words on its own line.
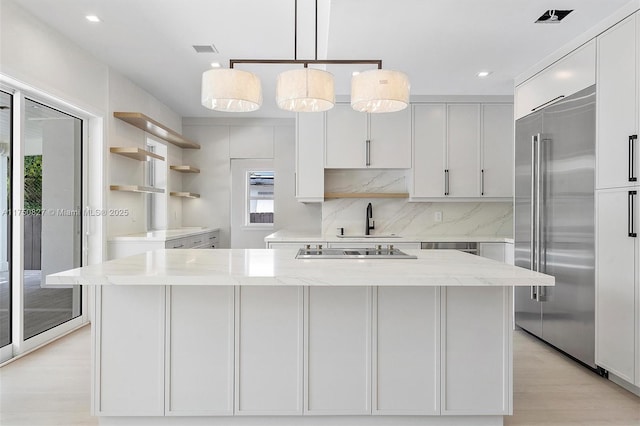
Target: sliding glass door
column 6, row 103
column 52, row 216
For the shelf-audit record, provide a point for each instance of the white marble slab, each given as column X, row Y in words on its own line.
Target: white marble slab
column 284, row 236
column 163, row 235
column 280, row 268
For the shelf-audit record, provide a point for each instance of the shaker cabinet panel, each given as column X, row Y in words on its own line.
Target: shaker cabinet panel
column 429, row 142
column 390, row 135
column 617, row 108
column 616, row 284
column 407, row 362
column 346, row 138
column 310, row 128
column 200, row 349
column 269, row 350
column 496, row 178
column 338, row 356
column 463, row 150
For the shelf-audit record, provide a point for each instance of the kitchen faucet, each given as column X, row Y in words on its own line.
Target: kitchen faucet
column 369, row 222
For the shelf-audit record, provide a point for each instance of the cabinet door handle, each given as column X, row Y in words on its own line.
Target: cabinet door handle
column 179, row 246
column 630, row 212
column 446, row 182
column 632, row 158
column 368, row 152
column 197, row 242
column 482, row 182
column 547, row 103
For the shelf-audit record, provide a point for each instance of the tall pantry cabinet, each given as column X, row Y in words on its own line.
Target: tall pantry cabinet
column 618, row 249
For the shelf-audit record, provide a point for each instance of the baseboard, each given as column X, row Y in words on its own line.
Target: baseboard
column 624, row 384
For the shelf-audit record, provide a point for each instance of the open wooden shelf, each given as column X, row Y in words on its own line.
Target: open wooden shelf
column 184, row 194
column 366, row 195
column 149, row 125
column 135, row 153
column 185, row 169
column 137, row 188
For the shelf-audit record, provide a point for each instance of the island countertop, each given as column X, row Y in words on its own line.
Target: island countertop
column 278, row 267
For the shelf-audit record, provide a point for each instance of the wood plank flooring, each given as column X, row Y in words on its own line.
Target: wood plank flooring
column 51, row 387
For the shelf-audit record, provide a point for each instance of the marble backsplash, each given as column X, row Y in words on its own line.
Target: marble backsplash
column 399, row 216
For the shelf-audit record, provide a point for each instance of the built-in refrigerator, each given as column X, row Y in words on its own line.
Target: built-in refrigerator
column 554, row 218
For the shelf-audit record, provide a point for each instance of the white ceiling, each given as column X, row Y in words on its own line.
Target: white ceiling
column 440, row 44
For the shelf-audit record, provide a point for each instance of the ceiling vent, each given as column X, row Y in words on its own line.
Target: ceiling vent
column 205, row 48
column 553, row 16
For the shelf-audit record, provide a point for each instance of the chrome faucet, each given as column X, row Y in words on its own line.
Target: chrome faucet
column 369, row 222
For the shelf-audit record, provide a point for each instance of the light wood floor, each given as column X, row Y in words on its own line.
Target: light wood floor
column 51, row 387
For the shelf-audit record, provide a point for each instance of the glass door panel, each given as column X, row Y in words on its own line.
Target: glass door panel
column 52, row 215
column 6, row 101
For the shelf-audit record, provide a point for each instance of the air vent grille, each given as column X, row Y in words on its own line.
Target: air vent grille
column 205, row 48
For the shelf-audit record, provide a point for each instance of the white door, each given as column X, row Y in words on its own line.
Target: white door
column 617, row 105
column 390, row 136
column 429, row 141
column 616, row 271
column 496, row 178
column 346, row 138
column 463, row 150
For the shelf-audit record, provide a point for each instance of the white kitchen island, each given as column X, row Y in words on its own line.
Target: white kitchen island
column 254, row 337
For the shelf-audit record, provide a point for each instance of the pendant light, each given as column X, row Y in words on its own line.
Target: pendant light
column 231, row 90
column 305, row 90
column 379, row 91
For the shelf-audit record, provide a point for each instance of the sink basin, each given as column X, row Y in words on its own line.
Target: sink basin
column 370, row 236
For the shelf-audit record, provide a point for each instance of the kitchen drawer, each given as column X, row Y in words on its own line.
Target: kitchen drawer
column 372, row 244
column 178, row 243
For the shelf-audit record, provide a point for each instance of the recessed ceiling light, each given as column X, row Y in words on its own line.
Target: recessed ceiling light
column 355, row 73
column 215, row 64
column 92, row 18
column 483, row 74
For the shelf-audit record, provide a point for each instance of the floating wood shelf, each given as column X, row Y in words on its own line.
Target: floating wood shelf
column 137, row 188
column 366, row 195
column 185, row 194
column 135, row 153
column 185, row 169
column 149, row 125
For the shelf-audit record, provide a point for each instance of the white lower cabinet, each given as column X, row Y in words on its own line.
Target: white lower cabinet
column 476, row 326
column 502, row 252
column 200, row 351
column 338, row 350
column 617, row 289
column 269, row 324
column 130, row 376
column 406, row 362
column 369, row 244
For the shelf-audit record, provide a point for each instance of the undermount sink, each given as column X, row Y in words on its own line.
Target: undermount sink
column 370, row 236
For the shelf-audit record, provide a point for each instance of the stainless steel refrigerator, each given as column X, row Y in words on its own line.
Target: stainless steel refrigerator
column 555, row 223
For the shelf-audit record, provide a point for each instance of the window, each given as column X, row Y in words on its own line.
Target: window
column 260, row 198
column 156, row 177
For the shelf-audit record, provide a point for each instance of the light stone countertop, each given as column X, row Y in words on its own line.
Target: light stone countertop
column 163, row 235
column 285, row 236
column 280, row 268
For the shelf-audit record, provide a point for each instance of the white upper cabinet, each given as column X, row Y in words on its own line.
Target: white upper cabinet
column 355, row 140
column 310, row 157
column 496, row 179
column 463, row 150
column 429, row 143
column 617, row 107
column 570, row 74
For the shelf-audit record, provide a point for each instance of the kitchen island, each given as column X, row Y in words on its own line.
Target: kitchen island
column 254, row 337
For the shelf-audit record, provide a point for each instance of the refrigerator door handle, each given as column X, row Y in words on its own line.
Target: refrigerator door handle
column 630, row 212
column 538, row 213
column 632, row 158
column 532, row 229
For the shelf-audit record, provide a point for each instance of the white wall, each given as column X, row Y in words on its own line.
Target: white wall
column 223, row 139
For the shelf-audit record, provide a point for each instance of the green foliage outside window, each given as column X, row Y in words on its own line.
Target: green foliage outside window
column 33, row 182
